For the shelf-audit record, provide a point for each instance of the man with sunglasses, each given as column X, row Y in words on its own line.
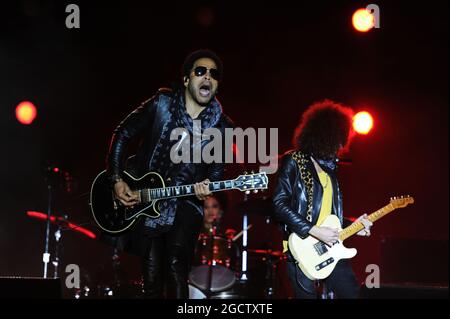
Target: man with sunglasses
column 166, row 244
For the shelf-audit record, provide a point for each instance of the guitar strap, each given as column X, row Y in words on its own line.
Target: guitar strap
column 301, row 159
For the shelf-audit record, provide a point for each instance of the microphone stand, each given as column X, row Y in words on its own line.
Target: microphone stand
column 52, row 176
column 60, row 223
column 46, row 254
column 55, row 262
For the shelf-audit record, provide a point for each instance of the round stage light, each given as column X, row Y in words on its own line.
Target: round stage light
column 362, row 122
column 26, row 112
column 363, row 20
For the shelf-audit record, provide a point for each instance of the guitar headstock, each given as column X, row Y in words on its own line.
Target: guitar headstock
column 249, row 182
column 402, row 201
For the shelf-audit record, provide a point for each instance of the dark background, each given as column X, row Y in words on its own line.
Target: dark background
column 279, row 58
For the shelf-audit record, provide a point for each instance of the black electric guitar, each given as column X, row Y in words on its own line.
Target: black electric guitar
column 114, row 217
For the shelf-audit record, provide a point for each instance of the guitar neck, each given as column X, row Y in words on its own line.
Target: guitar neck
column 356, row 227
column 149, row 194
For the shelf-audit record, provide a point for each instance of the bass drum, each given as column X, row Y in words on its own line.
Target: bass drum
column 219, row 256
column 228, row 294
column 222, row 277
column 233, row 293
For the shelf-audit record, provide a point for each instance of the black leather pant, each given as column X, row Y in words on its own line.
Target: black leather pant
column 342, row 281
column 167, row 261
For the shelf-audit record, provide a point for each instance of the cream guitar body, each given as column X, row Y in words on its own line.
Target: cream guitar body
column 317, row 260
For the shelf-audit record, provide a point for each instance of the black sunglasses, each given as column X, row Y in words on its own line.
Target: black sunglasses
column 201, row 70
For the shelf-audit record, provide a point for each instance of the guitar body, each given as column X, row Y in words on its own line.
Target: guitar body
column 107, row 211
column 315, row 258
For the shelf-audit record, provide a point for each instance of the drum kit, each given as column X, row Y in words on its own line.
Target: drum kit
column 218, row 271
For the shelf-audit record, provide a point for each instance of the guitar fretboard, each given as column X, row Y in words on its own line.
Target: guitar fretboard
column 356, row 227
column 149, row 194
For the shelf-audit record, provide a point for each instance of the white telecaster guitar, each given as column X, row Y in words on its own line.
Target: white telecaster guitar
column 317, row 260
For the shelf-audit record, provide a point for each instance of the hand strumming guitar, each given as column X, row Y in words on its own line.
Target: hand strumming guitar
column 124, row 194
column 326, row 234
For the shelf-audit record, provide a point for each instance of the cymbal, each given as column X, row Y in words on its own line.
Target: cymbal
column 275, row 253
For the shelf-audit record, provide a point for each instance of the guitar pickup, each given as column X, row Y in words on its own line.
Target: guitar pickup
column 324, row 263
column 320, row 248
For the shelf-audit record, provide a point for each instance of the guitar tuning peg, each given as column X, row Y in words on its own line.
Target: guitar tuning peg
column 247, row 192
column 245, row 172
column 252, row 172
column 255, row 191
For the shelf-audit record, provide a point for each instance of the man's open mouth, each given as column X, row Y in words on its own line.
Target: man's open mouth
column 205, row 90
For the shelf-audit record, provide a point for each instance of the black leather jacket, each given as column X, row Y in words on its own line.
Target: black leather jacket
column 290, row 197
column 147, row 121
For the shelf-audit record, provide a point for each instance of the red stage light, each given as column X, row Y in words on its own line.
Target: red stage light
column 56, row 169
column 363, row 20
column 362, row 122
column 26, row 112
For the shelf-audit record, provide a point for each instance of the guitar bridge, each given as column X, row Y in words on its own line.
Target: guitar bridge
column 324, row 263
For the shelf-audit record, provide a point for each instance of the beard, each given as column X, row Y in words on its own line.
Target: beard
column 200, row 100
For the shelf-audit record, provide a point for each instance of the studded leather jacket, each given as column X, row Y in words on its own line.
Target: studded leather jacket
column 290, row 199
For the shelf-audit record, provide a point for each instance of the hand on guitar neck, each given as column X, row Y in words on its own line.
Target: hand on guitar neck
column 202, row 189
column 367, row 224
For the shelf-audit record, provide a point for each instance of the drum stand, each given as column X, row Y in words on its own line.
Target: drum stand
column 243, row 278
column 271, row 264
column 115, row 258
column 212, row 234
